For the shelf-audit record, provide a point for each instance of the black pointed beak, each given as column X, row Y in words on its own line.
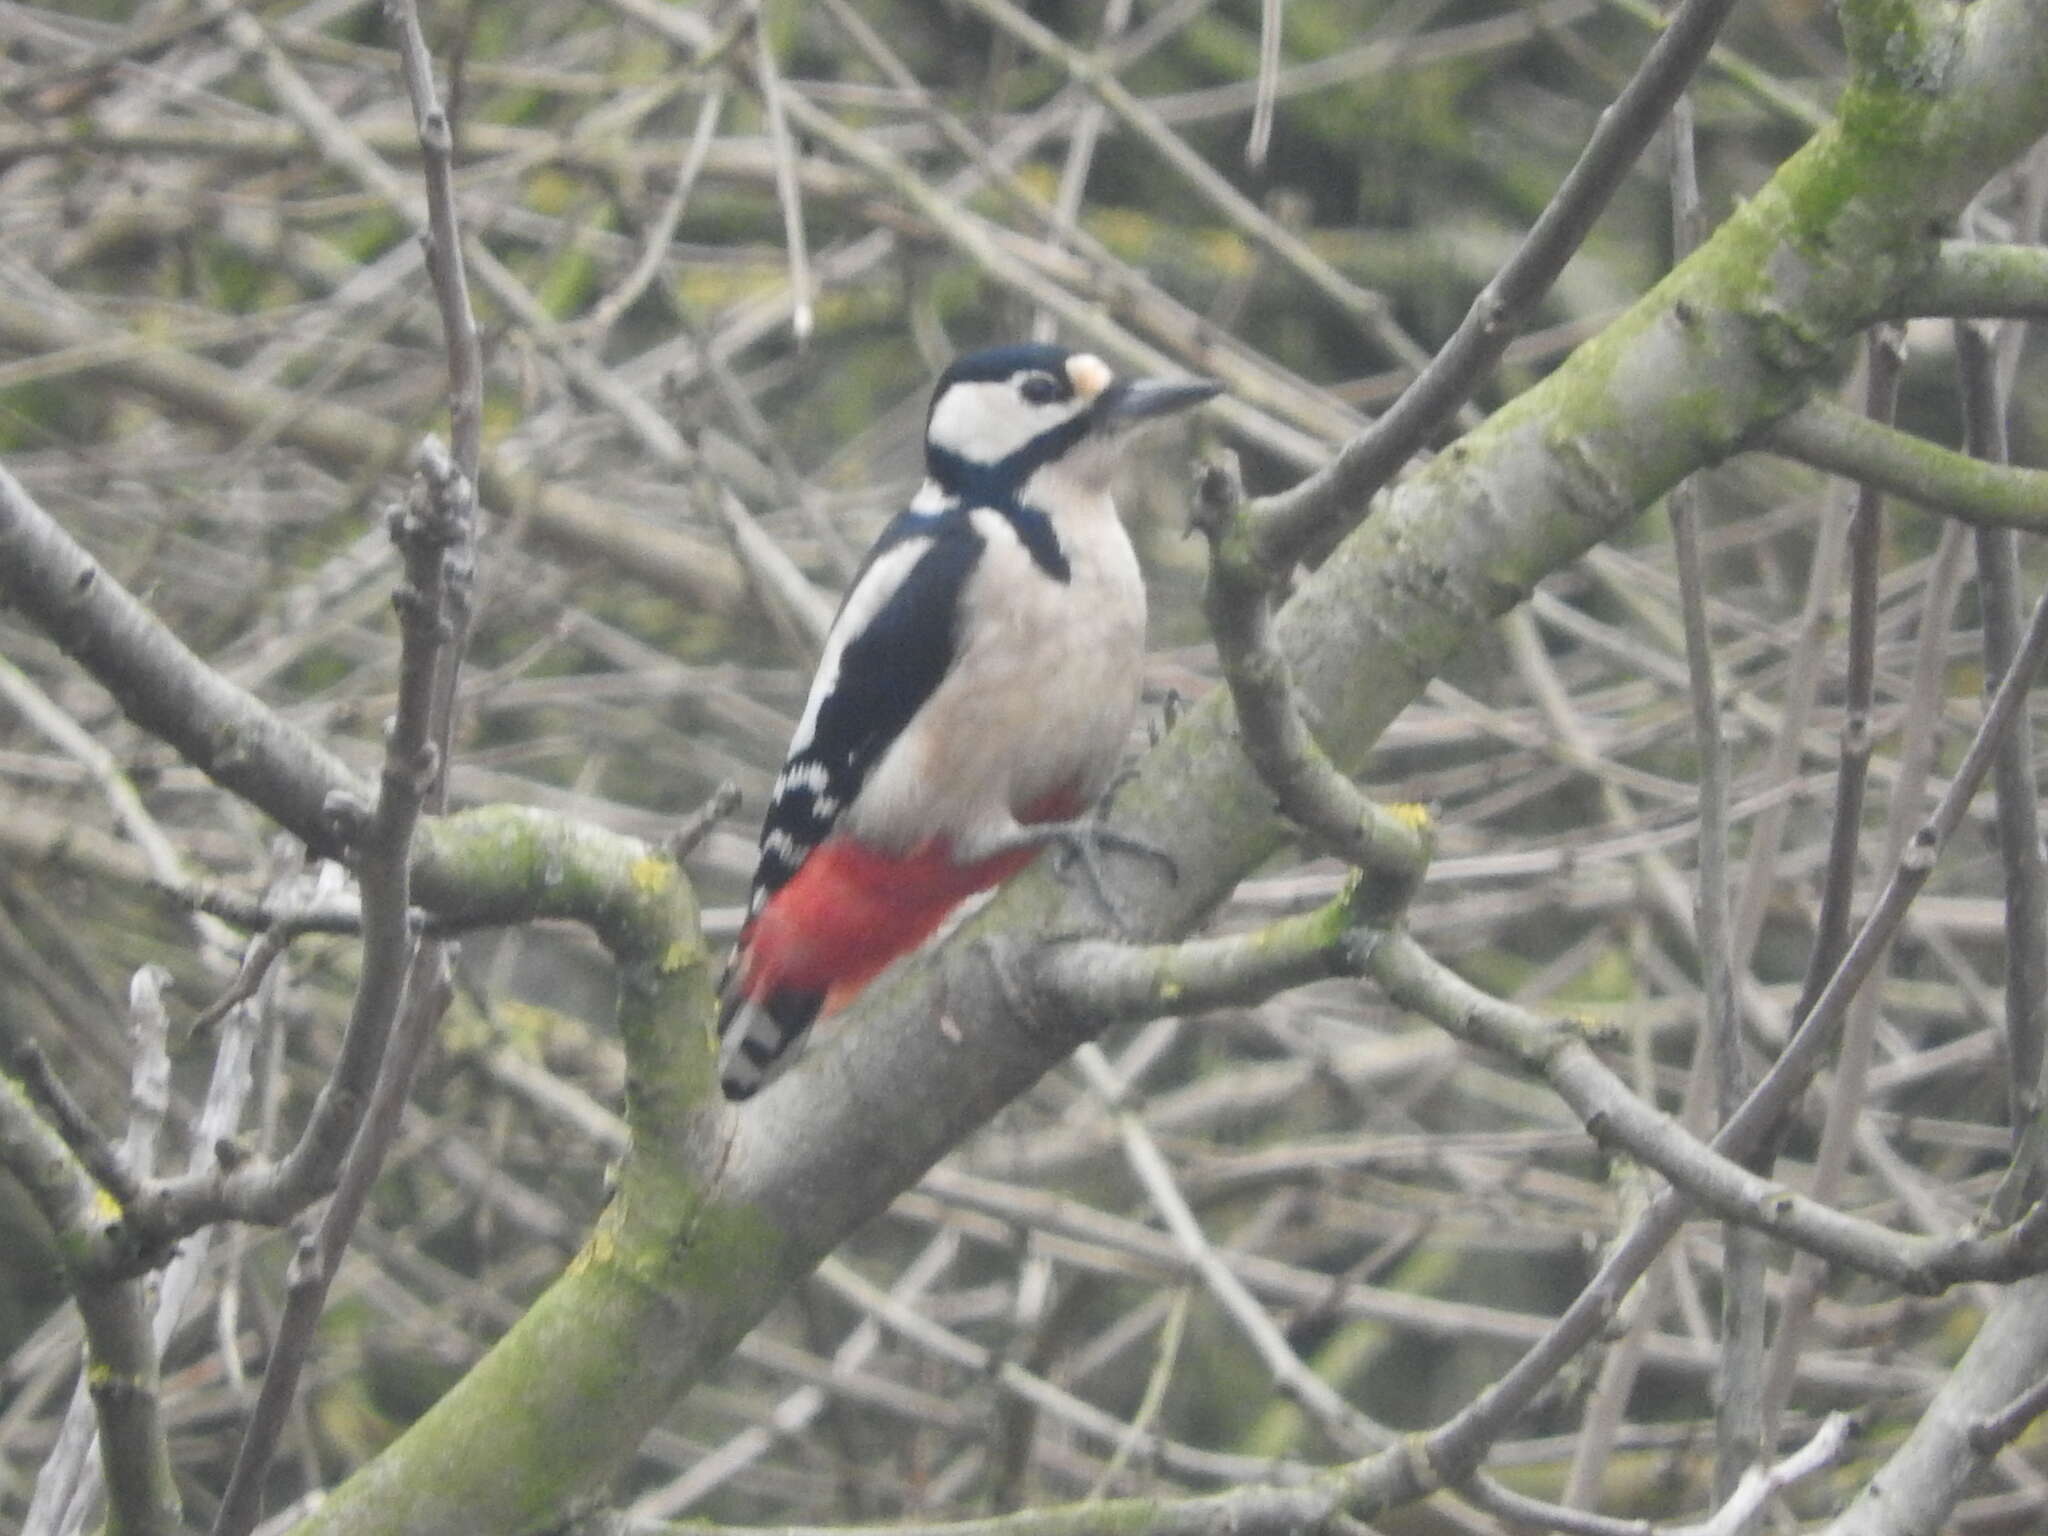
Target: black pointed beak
column 1130, row 401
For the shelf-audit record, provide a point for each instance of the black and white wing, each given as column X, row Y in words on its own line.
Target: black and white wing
column 891, row 642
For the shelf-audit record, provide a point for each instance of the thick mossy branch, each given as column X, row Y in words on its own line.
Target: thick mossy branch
column 1902, row 44
column 122, row 1374
column 508, row 864
column 501, row 864
column 570, row 1389
column 85, row 1220
column 95, row 1241
column 703, row 1240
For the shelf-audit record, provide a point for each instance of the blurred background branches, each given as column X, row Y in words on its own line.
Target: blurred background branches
column 715, row 255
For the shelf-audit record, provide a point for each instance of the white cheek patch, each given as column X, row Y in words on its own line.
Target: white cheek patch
column 985, row 422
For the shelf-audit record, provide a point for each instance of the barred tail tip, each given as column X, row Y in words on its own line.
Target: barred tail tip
column 757, row 1033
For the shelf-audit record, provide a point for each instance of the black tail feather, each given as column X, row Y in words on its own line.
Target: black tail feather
column 758, row 1033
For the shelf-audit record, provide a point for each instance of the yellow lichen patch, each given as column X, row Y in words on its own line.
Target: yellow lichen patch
column 523, row 1026
column 106, row 1210
column 1596, row 1031
column 99, row 1374
column 717, row 284
column 1039, row 178
column 1412, row 814
column 1226, row 253
column 1170, row 991
column 601, row 1249
column 679, row 953
column 651, row 874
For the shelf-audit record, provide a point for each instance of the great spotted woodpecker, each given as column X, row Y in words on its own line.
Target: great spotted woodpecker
column 974, row 695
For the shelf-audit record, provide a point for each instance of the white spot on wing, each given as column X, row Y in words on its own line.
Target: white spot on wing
column 809, row 776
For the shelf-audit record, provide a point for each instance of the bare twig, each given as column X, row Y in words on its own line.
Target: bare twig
column 1866, row 535
column 1289, row 522
column 121, row 1365
column 1843, row 442
column 1738, row 1396
column 404, row 988
column 768, row 82
column 1393, row 847
column 427, row 993
column 654, row 251
column 1996, row 1430
column 1369, row 310
column 1345, row 1425
column 229, row 734
column 798, row 607
column 697, row 826
column 149, row 1081
column 1460, row 1443
column 20, row 691
column 86, row 1141
column 1080, row 159
column 1272, row 15
column 564, row 517
column 1838, row 881
column 122, row 1377
column 1917, row 860
column 2019, row 828
column 73, row 1477
column 1738, row 1511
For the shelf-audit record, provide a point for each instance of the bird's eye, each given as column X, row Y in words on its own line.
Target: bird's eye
column 1040, row 388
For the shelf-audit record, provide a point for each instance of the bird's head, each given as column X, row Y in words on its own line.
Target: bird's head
column 998, row 417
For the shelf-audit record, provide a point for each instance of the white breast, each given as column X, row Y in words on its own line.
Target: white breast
column 1042, row 695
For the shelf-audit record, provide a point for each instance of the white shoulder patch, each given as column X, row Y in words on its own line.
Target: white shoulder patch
column 877, row 585
column 932, row 497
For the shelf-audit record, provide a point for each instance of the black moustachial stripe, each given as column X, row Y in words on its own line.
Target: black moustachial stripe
column 998, row 486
